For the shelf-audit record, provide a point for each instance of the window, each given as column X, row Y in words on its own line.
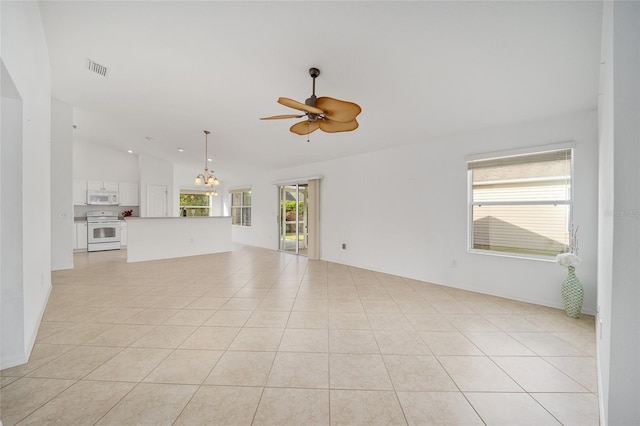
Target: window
column 521, row 204
column 195, row 204
column 241, row 207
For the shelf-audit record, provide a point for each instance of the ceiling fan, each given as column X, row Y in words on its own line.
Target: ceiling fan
column 327, row 114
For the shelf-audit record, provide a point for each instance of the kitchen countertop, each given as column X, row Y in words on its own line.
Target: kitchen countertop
column 81, row 219
column 178, row 217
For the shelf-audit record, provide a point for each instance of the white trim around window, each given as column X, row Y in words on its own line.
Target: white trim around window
column 520, row 203
column 240, row 201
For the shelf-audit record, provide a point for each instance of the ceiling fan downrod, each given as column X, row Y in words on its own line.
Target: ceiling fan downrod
column 314, row 73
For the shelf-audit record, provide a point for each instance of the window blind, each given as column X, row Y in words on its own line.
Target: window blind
column 521, row 204
column 538, row 157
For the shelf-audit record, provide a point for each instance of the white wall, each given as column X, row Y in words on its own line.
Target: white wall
column 119, row 166
column 25, row 56
column 404, row 211
column 605, row 204
column 619, row 214
column 61, row 185
column 103, row 163
column 98, row 162
column 11, row 227
column 264, row 211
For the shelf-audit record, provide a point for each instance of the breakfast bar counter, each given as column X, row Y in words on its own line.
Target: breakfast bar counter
column 152, row 238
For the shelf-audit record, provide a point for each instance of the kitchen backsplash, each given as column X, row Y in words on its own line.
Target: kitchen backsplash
column 81, row 211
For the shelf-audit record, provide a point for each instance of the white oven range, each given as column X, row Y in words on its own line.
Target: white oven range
column 103, row 231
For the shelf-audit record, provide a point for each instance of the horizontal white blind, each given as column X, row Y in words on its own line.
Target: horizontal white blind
column 522, row 204
column 543, row 190
column 534, row 158
column 530, row 229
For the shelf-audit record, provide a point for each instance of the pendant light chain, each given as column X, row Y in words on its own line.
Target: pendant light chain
column 207, row 178
column 206, row 149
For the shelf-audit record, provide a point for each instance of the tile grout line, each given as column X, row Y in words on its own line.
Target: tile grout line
column 325, row 273
column 386, row 368
column 266, row 380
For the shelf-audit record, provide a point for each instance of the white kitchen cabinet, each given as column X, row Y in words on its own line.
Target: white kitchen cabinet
column 129, row 193
column 81, row 236
column 102, row 185
column 111, row 186
column 94, row 184
column 79, row 192
column 123, row 233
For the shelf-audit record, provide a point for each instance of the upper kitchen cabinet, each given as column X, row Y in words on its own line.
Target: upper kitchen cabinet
column 129, row 194
column 102, row 185
column 79, row 192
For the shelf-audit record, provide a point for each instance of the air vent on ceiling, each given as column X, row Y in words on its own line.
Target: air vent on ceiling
column 97, row 68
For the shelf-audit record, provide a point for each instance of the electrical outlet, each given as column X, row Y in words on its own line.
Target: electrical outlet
column 344, row 246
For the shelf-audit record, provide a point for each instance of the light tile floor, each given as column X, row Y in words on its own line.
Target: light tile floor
column 261, row 337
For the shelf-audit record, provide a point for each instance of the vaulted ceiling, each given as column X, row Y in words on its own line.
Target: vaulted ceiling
column 419, row 70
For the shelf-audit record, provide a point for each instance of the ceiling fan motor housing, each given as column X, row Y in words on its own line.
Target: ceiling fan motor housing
column 311, row 101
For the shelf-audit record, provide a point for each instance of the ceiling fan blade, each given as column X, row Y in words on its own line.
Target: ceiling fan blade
column 337, row 110
column 305, row 127
column 299, row 105
column 278, row 117
column 336, row 126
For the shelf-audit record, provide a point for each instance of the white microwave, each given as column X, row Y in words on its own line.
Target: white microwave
column 102, row 197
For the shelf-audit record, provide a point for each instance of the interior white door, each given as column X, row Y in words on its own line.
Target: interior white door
column 156, row 200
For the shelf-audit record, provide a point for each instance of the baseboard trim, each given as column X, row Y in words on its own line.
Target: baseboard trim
column 34, row 333
column 23, row 358
column 13, row 361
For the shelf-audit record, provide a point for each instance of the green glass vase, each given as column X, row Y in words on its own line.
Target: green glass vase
column 572, row 294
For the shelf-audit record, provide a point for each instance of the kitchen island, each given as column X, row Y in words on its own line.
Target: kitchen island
column 151, row 238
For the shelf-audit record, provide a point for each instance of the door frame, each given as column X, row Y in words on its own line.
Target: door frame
column 300, row 191
column 313, row 212
column 150, row 187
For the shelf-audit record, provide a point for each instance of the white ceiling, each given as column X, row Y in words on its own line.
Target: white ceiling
column 419, row 70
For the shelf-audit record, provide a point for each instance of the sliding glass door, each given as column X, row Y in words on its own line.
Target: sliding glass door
column 294, row 218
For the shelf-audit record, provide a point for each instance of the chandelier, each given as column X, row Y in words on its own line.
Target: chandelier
column 207, row 177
